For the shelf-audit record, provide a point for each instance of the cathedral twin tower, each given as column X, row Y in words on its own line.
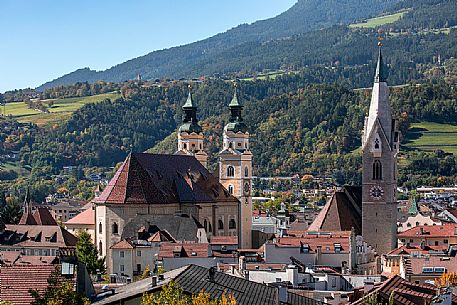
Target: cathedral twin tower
column 235, row 158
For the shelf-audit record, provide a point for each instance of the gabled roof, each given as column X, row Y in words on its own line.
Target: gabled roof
column 123, row 244
column 342, row 212
column 16, row 281
column 40, row 217
column 163, row 179
column 170, row 250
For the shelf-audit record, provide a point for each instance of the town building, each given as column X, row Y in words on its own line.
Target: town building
column 84, row 221
column 421, row 236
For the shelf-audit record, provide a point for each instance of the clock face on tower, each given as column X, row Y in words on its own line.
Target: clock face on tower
column 376, row 192
column 247, row 188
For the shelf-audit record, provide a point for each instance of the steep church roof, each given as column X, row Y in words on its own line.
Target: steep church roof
column 41, row 217
column 162, row 179
column 343, row 212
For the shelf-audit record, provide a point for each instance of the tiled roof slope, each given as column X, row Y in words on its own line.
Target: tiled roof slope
column 195, row 279
column 325, row 241
column 87, row 217
column 430, row 231
column 342, row 212
column 403, row 293
column 163, row 179
column 15, row 282
column 36, row 236
column 41, row 217
column 180, row 227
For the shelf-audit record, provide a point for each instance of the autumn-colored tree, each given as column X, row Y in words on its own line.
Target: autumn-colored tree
column 446, row 280
column 146, row 272
column 173, row 294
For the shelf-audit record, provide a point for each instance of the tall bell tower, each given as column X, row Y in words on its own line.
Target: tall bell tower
column 190, row 134
column 235, row 169
column 379, row 179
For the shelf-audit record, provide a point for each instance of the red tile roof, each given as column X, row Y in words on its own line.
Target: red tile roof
column 446, row 230
column 224, row 240
column 15, row 282
column 326, row 241
column 417, row 263
column 86, row 217
column 407, row 250
column 123, row 244
column 402, row 291
column 41, row 216
column 10, row 258
column 37, row 236
column 168, row 250
column 162, row 179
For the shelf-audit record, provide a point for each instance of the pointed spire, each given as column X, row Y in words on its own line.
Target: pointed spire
column 190, row 121
column 189, row 103
column 380, row 76
column 236, row 123
column 27, row 202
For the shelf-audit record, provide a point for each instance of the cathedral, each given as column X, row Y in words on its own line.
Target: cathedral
column 147, row 187
column 370, row 210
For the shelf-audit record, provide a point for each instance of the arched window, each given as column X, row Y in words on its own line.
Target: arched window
column 100, row 248
column 185, row 146
column 100, row 228
column 230, row 189
column 210, row 228
column 115, row 228
column 246, row 172
column 377, row 170
column 230, row 145
column 232, row 224
column 205, row 224
column 230, row 171
column 220, row 224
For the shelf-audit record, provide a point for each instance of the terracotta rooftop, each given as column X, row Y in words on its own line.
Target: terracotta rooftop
column 168, row 250
column 10, row 258
column 40, row 216
column 402, row 292
column 162, row 179
column 87, row 217
column 328, row 242
column 408, row 250
column 15, row 282
column 446, row 230
column 123, row 244
column 224, row 240
column 40, row 236
column 418, row 263
column 342, row 212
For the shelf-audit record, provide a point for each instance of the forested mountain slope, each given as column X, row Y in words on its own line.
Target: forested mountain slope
column 206, row 56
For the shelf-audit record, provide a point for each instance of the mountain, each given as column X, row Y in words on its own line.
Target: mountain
column 204, row 57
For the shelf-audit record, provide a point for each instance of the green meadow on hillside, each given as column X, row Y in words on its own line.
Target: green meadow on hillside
column 58, row 112
column 378, row 21
column 427, row 136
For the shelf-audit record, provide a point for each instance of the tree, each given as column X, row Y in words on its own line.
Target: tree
column 173, row 294
column 446, row 280
column 88, row 254
column 58, row 292
column 10, row 210
column 146, row 272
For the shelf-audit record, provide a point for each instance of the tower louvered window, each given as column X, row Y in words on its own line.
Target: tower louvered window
column 230, row 171
column 377, row 170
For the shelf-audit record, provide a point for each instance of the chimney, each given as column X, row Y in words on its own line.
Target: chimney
column 368, row 286
column 211, row 274
column 153, row 281
column 281, row 295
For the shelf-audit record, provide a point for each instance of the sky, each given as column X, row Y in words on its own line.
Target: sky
column 41, row 40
